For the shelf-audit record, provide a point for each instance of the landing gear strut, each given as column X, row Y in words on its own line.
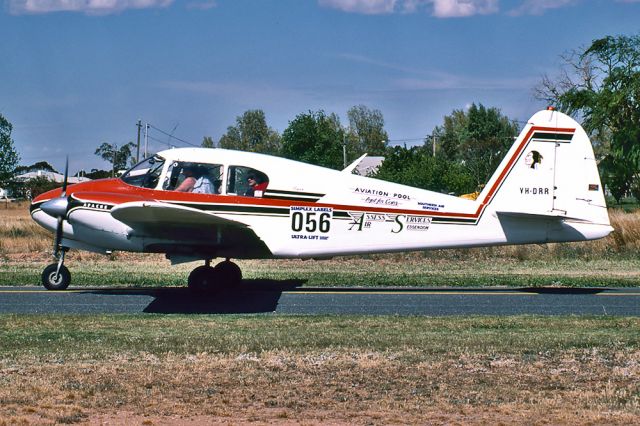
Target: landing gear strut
column 225, row 274
column 56, row 276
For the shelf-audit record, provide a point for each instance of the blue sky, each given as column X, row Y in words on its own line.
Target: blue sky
column 76, row 73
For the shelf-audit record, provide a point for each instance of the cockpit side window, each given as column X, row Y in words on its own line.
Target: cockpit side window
column 246, row 181
column 146, row 173
column 203, row 178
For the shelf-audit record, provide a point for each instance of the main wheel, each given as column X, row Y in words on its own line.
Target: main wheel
column 56, row 281
column 202, row 278
column 228, row 273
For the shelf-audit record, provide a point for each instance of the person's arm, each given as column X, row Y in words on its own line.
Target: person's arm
column 186, row 185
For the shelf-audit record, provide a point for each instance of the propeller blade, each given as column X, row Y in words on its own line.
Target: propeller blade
column 66, row 177
column 58, row 208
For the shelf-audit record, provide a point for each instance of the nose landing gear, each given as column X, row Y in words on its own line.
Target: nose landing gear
column 56, row 276
column 224, row 275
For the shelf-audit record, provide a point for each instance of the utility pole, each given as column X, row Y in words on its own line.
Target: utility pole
column 146, row 139
column 344, row 150
column 139, row 125
column 434, row 139
column 115, row 150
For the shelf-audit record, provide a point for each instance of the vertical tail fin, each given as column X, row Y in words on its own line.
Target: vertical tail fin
column 550, row 171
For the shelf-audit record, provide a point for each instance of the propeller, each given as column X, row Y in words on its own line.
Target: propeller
column 57, row 208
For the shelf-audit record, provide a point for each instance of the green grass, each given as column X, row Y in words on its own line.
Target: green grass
column 416, row 271
column 74, row 337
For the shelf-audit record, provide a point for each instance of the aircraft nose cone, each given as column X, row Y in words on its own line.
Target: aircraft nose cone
column 56, row 207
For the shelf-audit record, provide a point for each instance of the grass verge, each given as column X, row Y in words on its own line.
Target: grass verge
column 419, row 271
column 310, row 369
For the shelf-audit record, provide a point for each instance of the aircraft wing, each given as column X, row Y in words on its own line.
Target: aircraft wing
column 187, row 230
column 151, row 214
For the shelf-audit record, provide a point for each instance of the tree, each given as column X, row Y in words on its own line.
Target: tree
column 315, row 138
column 39, row 185
column 601, row 85
column 207, row 142
column 119, row 158
column 98, row 174
column 479, row 138
column 9, row 157
column 417, row 167
column 367, row 128
column 40, row 165
column 251, row 133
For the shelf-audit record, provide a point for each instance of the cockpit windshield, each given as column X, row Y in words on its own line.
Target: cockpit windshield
column 146, row 173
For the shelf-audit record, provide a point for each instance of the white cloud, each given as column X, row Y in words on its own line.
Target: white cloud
column 463, row 8
column 446, row 81
column 438, row 8
column 240, row 92
column 367, row 7
column 539, row 7
column 89, row 7
column 434, row 79
column 382, row 64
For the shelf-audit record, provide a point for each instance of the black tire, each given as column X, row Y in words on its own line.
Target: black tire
column 202, row 278
column 53, row 281
column 228, row 273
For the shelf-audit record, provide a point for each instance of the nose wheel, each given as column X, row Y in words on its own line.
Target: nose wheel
column 56, row 276
column 205, row 278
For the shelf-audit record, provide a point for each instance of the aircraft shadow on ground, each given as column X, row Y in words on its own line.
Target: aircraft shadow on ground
column 251, row 296
column 563, row 290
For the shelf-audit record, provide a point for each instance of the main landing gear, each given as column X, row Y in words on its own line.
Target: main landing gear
column 206, row 278
column 56, row 276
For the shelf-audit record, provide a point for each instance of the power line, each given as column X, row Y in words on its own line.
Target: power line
column 171, row 136
column 406, row 139
column 156, row 140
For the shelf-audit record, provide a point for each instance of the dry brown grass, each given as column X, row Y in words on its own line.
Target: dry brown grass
column 256, row 369
column 19, row 233
column 576, row 387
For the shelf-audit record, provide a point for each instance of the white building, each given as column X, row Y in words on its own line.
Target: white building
column 52, row 176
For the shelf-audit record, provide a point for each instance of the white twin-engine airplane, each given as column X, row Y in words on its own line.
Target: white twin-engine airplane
column 201, row 204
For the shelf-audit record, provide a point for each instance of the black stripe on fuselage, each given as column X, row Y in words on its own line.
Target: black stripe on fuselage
column 226, row 208
column 290, row 198
column 552, row 137
column 460, row 220
column 275, row 192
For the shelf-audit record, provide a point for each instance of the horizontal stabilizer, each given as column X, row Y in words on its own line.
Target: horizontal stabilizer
column 537, row 216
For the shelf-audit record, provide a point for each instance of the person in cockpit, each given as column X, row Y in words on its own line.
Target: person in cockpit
column 257, row 185
column 203, row 184
column 189, row 179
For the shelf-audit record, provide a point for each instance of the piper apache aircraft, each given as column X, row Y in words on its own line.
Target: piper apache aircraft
column 198, row 204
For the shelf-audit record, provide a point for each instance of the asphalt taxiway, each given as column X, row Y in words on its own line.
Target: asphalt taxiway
column 290, row 298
